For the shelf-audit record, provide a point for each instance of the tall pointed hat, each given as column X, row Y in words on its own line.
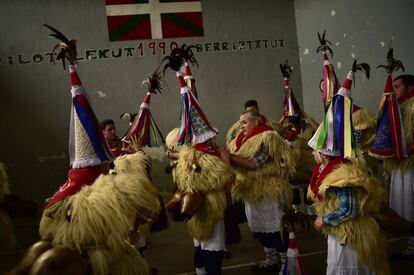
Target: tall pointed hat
column 290, row 104
column 143, row 125
column 88, row 149
column 195, row 127
column 390, row 137
column 334, row 136
column 329, row 83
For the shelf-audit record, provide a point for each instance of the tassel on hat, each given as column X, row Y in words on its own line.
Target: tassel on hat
column 290, row 104
column 293, row 263
column 195, row 127
column 144, row 126
column 329, row 83
column 390, row 137
column 88, row 150
column 334, row 137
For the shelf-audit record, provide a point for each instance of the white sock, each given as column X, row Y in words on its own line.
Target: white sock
column 201, row 271
column 272, row 256
column 282, row 262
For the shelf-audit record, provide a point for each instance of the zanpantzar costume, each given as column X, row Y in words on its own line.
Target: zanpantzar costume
column 345, row 196
column 201, row 176
column 91, row 213
column 395, row 126
column 266, row 190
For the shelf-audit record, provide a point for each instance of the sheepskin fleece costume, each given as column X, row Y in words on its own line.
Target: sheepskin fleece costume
column 95, row 221
column 270, row 181
column 98, row 220
column 212, row 180
column 363, row 232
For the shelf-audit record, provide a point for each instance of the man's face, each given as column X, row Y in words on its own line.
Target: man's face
column 246, row 124
column 399, row 88
column 109, row 132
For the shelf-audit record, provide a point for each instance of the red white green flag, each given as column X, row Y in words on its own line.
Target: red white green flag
column 153, row 19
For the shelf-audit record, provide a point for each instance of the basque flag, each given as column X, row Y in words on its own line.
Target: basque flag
column 153, row 19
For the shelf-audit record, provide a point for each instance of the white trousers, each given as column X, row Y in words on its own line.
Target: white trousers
column 402, row 193
column 216, row 242
column 263, row 216
column 343, row 260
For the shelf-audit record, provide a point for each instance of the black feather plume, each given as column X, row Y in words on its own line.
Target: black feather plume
column 65, row 49
column 154, row 83
column 324, row 44
column 285, row 69
column 363, row 67
column 392, row 63
column 178, row 56
column 295, row 220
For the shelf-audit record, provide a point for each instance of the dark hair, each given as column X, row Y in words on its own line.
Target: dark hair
column 106, row 122
column 251, row 115
column 407, row 79
column 296, row 120
column 250, row 103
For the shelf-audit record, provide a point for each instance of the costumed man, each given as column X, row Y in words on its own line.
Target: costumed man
column 299, row 129
column 394, row 143
column 251, row 105
column 263, row 162
column 202, row 178
column 143, row 128
column 91, row 213
column 346, row 197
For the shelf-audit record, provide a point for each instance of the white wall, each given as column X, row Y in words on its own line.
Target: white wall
column 363, row 28
column 35, row 104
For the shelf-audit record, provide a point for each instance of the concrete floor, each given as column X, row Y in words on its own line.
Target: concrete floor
column 171, row 251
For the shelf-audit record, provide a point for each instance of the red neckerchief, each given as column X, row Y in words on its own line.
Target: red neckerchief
column 355, row 108
column 206, row 149
column 318, row 176
column 242, row 138
column 405, row 97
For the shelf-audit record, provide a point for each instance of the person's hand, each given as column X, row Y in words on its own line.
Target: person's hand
column 224, row 154
column 318, row 223
column 136, row 143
